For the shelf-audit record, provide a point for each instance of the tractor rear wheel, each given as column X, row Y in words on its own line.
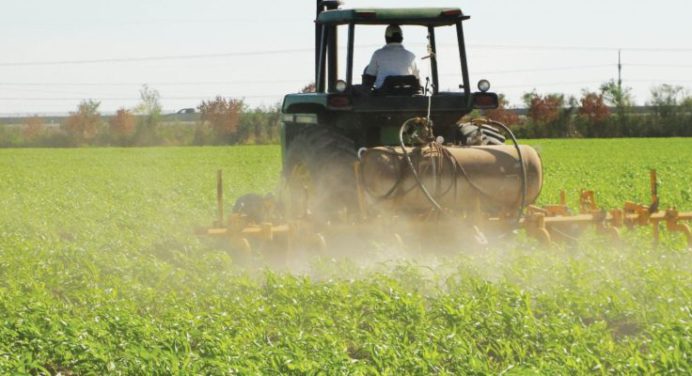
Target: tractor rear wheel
column 319, row 175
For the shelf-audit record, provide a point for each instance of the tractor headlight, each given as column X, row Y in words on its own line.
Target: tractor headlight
column 340, row 86
column 483, row 85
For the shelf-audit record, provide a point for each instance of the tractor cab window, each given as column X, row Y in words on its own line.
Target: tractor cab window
column 370, row 46
column 448, row 60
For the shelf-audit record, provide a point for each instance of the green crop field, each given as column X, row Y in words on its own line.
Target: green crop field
column 100, row 273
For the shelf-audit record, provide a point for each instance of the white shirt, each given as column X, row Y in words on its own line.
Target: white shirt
column 391, row 60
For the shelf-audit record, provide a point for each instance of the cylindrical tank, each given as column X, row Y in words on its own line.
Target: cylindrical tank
column 463, row 178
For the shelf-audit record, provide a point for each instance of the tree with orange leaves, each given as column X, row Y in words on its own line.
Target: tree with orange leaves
column 122, row 125
column 32, row 128
column 545, row 115
column 594, row 115
column 224, row 117
column 544, row 109
column 82, row 125
column 593, row 107
column 502, row 113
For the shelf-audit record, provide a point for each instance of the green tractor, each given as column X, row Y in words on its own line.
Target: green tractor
column 396, row 163
column 391, row 160
column 343, row 121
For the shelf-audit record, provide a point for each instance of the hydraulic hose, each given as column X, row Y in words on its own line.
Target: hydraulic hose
column 427, row 194
column 443, row 152
column 522, row 202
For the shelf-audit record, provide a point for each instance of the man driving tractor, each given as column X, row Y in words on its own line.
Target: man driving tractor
column 391, row 60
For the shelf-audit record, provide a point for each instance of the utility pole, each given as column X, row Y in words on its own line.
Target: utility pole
column 620, row 70
column 620, row 97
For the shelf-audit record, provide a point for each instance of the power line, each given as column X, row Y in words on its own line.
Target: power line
column 153, row 58
column 579, row 48
column 527, row 86
column 660, row 65
column 659, row 80
column 201, row 97
column 305, row 50
column 188, row 83
column 260, row 82
column 528, row 70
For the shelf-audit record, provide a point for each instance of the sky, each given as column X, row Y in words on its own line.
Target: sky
column 53, row 54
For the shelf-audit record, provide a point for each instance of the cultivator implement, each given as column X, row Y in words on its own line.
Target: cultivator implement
column 255, row 230
column 554, row 222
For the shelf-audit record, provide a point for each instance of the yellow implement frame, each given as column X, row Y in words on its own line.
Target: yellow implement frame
column 545, row 223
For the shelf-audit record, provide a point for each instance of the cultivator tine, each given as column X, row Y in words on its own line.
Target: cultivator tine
column 672, row 218
column 587, row 202
column 553, row 210
column 546, row 223
column 219, row 198
column 534, row 224
column 672, row 224
column 654, row 191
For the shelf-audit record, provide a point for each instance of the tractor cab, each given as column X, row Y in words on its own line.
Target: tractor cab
column 344, row 42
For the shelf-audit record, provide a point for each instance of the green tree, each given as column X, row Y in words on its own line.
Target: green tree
column 666, row 98
column 686, row 108
column 621, row 98
column 262, row 124
column 149, row 110
column 668, row 110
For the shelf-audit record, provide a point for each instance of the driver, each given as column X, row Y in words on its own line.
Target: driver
column 391, row 60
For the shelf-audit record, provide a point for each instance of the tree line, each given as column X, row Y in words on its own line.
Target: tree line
column 610, row 112
column 220, row 121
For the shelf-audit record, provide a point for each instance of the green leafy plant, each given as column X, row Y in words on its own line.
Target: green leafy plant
column 100, row 274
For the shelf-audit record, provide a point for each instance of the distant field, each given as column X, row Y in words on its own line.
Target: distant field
column 100, row 274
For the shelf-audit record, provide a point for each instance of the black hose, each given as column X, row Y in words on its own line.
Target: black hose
column 413, row 168
column 400, row 177
column 391, row 190
column 443, row 152
column 520, row 215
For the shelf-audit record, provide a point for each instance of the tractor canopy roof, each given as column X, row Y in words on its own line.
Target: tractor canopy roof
column 402, row 16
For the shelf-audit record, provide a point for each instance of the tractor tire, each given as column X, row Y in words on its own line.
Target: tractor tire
column 319, row 176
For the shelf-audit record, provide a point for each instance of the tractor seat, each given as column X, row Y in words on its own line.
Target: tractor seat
column 399, row 85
